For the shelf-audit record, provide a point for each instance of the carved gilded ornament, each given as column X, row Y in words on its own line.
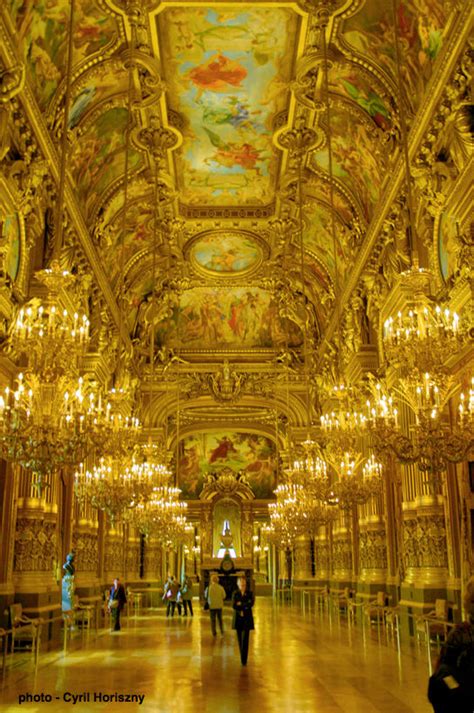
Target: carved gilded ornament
column 226, row 482
column 35, row 545
column 424, row 543
column 342, row 555
column 86, row 550
column 372, row 550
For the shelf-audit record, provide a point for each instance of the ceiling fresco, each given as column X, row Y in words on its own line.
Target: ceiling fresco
column 318, row 239
column 359, row 84
column 98, row 157
column 42, row 39
column 108, row 79
column 226, row 253
column 251, row 454
column 421, row 26
column 357, row 160
column 227, row 318
column 228, row 71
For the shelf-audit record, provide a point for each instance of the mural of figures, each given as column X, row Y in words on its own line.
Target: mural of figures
column 226, row 253
column 242, row 317
column 449, row 246
column 98, row 156
column 227, row 71
column 354, row 160
column 42, row 39
column 319, row 240
column 348, row 80
column 10, row 231
column 421, row 24
column 252, row 454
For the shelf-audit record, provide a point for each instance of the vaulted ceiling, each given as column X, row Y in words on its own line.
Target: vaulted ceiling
column 247, row 204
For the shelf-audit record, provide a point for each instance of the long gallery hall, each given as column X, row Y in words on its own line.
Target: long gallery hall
column 236, row 356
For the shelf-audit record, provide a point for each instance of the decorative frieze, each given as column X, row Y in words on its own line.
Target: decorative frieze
column 35, row 545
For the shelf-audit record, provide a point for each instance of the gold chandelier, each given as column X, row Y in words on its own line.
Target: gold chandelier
column 418, row 340
column 45, row 420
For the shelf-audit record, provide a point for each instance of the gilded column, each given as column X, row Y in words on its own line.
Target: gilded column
column 372, row 543
column 302, row 559
column 8, row 499
column 342, row 551
column 153, row 560
column 35, row 559
column 85, row 544
column 322, row 546
column 114, row 560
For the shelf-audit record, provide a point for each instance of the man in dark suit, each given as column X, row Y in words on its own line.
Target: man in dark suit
column 242, row 602
column 117, row 601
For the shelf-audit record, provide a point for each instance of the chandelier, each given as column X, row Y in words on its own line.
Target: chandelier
column 116, row 428
column 432, row 438
column 45, row 420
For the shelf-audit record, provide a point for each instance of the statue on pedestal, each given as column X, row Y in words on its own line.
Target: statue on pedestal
column 68, row 583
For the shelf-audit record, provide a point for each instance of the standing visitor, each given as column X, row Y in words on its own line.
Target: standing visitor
column 242, row 603
column 451, row 687
column 117, row 601
column 187, row 595
column 170, row 595
column 215, row 596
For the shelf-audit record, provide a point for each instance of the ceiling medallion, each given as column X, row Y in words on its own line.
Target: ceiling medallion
column 225, row 253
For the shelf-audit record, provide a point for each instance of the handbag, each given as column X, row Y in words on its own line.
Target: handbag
column 113, row 603
column 169, row 594
column 206, row 606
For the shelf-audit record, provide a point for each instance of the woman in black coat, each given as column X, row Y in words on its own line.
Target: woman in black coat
column 117, row 601
column 242, row 603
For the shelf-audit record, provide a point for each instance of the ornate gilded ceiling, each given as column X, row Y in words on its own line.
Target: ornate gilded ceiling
column 228, row 239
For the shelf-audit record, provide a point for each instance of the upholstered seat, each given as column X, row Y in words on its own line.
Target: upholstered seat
column 375, row 609
column 434, row 624
column 25, row 631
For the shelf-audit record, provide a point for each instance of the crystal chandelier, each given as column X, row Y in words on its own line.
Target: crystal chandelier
column 432, row 439
column 423, row 335
column 45, row 420
column 116, row 428
column 114, row 487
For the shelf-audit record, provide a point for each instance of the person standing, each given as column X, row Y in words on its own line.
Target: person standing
column 117, row 601
column 170, row 595
column 215, row 596
column 242, row 602
column 187, row 595
column 451, row 687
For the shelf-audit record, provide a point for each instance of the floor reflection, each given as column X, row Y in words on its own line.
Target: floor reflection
column 297, row 663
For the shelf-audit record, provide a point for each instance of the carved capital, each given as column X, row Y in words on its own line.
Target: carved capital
column 298, row 141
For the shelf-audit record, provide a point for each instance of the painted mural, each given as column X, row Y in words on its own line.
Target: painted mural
column 448, row 245
column 41, row 28
column 421, row 24
column 98, row 156
column 354, row 160
column 11, row 245
column 109, row 79
column 252, row 454
column 224, row 319
column 226, row 253
column 347, row 80
column 319, row 240
column 228, row 71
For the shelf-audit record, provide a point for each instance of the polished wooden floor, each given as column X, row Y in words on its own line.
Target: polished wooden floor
column 298, row 663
